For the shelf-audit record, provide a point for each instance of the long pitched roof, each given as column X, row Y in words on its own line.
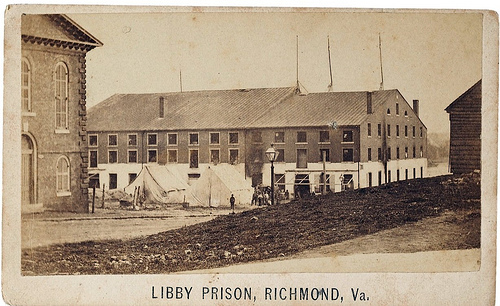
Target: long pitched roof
column 232, row 109
column 314, row 109
column 214, row 109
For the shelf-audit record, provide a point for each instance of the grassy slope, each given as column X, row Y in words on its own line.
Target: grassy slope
column 280, row 230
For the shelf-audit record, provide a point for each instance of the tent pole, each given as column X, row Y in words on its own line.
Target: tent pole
column 323, row 157
column 133, row 200
column 103, row 185
column 93, row 198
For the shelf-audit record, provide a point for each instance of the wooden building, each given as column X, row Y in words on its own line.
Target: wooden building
column 366, row 138
column 54, row 133
column 465, row 131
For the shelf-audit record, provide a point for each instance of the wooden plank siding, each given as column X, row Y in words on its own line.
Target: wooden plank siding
column 465, row 131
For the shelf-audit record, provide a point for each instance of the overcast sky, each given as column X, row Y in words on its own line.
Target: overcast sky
column 433, row 57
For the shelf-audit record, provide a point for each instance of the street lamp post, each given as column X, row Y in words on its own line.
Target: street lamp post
column 272, row 154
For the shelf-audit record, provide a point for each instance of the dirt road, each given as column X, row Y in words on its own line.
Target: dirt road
column 54, row 228
column 37, row 233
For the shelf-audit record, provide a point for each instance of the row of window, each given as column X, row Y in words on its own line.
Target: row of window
column 324, row 154
column 389, row 176
column 379, row 130
column 389, row 153
column 172, row 139
column 214, row 138
column 61, row 90
column 172, row 156
column 279, row 179
column 301, row 137
column 152, row 157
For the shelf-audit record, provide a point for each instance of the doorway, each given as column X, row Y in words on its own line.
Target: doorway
column 28, row 170
column 302, row 186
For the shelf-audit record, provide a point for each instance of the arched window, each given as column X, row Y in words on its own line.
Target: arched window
column 61, row 96
column 25, row 85
column 63, row 176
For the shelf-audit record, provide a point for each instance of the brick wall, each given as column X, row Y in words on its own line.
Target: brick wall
column 162, row 146
column 381, row 116
column 40, row 124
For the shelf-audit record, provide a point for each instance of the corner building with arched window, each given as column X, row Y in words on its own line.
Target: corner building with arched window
column 53, row 109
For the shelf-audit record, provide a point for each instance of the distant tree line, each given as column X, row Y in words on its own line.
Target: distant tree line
column 438, row 148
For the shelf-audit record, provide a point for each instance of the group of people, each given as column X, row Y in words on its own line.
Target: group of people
column 262, row 196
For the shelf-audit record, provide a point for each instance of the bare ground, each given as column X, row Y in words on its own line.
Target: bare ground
column 430, row 234
column 44, row 229
column 283, row 231
column 428, row 245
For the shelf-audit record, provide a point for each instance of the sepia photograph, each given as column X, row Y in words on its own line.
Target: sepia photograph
column 248, row 155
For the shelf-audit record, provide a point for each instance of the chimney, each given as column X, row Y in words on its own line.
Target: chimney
column 162, row 107
column 369, row 102
column 415, row 107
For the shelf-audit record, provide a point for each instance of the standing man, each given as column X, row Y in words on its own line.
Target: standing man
column 232, row 200
column 255, row 197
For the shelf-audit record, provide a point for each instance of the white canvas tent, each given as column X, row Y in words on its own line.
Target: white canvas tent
column 216, row 184
column 158, row 185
